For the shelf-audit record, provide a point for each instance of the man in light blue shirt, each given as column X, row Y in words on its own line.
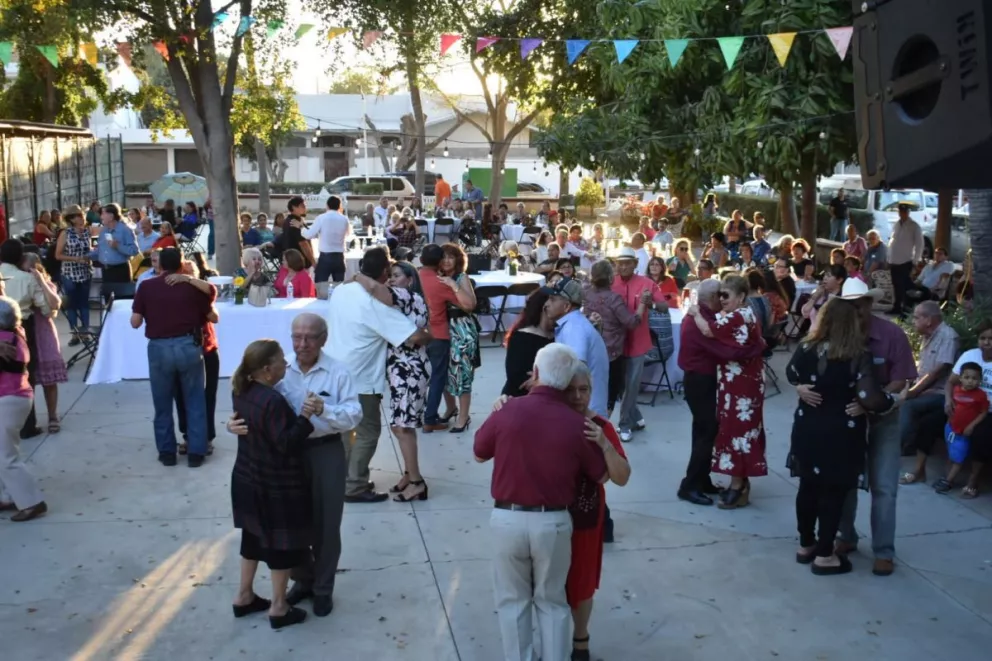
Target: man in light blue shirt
column 577, row 333
column 152, row 272
column 475, row 197
column 146, row 236
column 115, row 246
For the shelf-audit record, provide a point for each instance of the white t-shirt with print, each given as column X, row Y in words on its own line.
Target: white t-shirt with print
column 975, row 356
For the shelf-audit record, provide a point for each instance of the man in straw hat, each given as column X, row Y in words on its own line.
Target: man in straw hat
column 894, row 369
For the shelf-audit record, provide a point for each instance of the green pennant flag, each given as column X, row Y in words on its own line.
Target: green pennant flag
column 51, row 54
column 730, row 46
column 272, row 27
column 303, row 29
column 6, row 48
column 675, row 48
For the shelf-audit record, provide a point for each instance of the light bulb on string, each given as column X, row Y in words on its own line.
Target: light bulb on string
column 592, row 157
column 313, row 139
column 760, row 144
column 446, row 149
column 316, row 132
column 490, row 152
column 358, row 142
column 697, row 151
column 356, row 151
column 823, row 135
column 502, row 170
column 466, row 166
column 432, row 163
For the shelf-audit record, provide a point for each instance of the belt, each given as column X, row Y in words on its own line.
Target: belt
column 513, row 507
column 174, row 337
column 322, row 440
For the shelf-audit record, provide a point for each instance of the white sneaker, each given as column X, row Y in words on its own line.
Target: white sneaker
column 626, row 435
column 641, row 424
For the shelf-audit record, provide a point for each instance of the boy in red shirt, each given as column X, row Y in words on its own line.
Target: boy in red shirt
column 971, row 405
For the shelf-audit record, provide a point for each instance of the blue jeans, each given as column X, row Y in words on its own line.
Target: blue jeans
column 884, row 461
column 78, row 308
column 173, row 362
column 211, row 242
column 437, row 352
column 921, row 422
column 837, row 228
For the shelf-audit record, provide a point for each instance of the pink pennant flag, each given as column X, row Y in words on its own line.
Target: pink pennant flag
column 370, row 38
column 482, row 43
column 449, row 40
column 527, row 46
column 841, row 39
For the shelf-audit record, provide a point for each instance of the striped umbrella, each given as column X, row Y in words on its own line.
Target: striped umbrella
column 181, row 187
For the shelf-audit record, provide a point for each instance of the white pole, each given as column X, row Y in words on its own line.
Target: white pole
column 365, row 138
column 960, row 198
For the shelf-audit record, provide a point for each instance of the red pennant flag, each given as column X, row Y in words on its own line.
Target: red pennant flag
column 162, row 49
column 482, row 43
column 124, row 50
column 449, row 40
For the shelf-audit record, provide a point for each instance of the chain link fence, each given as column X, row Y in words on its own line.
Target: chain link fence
column 48, row 169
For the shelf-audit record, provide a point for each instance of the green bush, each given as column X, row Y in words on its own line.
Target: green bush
column 748, row 204
column 371, row 188
column 250, row 187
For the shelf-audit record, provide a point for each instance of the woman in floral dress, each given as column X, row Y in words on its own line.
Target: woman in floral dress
column 49, row 364
column 464, row 329
column 739, row 450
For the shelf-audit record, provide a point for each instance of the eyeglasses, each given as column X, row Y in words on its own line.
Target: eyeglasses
column 724, row 295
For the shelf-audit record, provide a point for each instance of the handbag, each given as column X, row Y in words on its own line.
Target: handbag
column 258, row 295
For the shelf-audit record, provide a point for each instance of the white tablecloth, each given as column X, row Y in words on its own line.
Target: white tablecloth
column 123, row 350
column 652, row 373
column 500, row 278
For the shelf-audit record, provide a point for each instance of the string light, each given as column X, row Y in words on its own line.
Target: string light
column 592, row 157
column 760, row 144
column 446, row 149
column 697, row 151
column 535, row 166
column 490, row 152
column 823, row 135
column 356, row 151
column 316, row 133
column 466, row 166
column 502, row 170
column 358, row 142
column 432, row 163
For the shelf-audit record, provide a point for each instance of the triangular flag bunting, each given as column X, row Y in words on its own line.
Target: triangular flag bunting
column 272, row 27
column 841, row 39
column 527, row 46
column 624, row 48
column 574, row 48
column 482, row 43
column 449, row 40
column 162, row 49
column 302, row 30
column 730, row 47
column 675, row 48
column 370, row 38
column 6, row 49
column 244, row 25
column 124, row 51
column 782, row 43
column 51, row 54
column 219, row 18
column 88, row 52
column 334, row 33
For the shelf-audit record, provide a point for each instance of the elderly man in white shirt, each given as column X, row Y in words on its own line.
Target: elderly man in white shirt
column 361, row 327
column 312, row 374
column 905, row 249
column 381, row 213
column 637, row 242
column 333, row 229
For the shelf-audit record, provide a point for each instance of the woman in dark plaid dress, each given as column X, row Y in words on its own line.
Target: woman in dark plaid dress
column 270, row 493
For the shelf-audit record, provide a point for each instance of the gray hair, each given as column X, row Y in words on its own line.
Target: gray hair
column 583, row 370
column 708, row 289
column 315, row 321
column 250, row 253
column 10, row 314
column 872, row 233
column 930, row 309
column 556, row 365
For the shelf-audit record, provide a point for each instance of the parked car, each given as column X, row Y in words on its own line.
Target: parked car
column 430, row 178
column 757, row 187
column 526, row 189
column 392, row 186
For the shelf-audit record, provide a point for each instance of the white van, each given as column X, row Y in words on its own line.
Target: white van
column 883, row 204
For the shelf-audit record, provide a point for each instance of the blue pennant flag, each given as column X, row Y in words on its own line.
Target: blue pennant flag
column 244, row 25
column 624, row 48
column 574, row 47
column 219, row 18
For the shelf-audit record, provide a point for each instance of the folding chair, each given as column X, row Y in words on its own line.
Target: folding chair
column 489, row 309
column 444, row 228
column 524, row 289
column 771, row 377
column 91, row 341
column 660, row 353
column 423, row 228
column 190, row 246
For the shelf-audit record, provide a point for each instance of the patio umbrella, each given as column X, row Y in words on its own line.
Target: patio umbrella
column 182, row 187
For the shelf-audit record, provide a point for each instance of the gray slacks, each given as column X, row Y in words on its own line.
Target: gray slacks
column 327, row 469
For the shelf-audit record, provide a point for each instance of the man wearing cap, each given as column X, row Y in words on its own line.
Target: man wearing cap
column 634, row 289
column 892, row 357
column 577, row 333
column 905, row 249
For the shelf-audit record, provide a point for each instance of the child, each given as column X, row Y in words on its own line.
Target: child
column 971, row 405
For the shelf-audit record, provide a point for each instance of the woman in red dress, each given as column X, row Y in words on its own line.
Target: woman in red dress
column 588, row 514
column 739, row 450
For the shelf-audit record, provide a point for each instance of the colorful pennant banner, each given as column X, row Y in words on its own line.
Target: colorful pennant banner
column 624, row 47
column 334, row 33
column 574, row 48
column 730, row 47
column 675, row 48
column 272, row 27
column 302, row 30
column 245, row 25
column 447, row 41
column 88, row 52
column 841, row 39
column 482, row 43
column 219, row 18
column 6, row 50
column 782, row 44
column 527, row 46
column 370, row 38
column 162, row 49
column 51, row 54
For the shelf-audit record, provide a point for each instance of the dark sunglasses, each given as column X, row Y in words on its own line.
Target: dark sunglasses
column 724, row 295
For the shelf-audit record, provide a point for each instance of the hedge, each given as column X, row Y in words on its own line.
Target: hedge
column 748, row 204
column 371, row 188
column 250, row 187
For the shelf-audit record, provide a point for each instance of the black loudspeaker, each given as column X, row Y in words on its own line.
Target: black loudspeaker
column 921, row 89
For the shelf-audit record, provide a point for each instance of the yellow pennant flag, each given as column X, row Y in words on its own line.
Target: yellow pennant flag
column 333, row 33
column 88, row 52
column 782, row 44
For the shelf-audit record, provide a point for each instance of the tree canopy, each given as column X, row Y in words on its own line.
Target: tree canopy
column 362, row 81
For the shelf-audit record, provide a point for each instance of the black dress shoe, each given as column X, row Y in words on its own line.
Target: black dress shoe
column 167, row 458
column 194, row 460
column 298, row 593
column 695, row 497
column 322, row 605
column 31, row 433
column 257, row 605
column 293, row 616
column 712, row 490
column 367, row 497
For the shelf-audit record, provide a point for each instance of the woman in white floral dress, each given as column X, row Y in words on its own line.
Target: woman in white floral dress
column 739, row 450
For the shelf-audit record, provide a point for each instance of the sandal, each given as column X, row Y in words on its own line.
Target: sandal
column 402, row 497
column 400, row 486
column 53, row 426
column 912, row 478
column 183, row 448
column 577, row 654
column 969, row 492
column 942, row 485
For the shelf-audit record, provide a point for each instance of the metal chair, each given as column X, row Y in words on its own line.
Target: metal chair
column 443, row 228
column 661, row 354
column 524, row 289
column 771, row 377
column 490, row 309
column 91, row 341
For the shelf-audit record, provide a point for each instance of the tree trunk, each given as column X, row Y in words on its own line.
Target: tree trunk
column 412, row 77
column 945, row 207
column 809, row 208
column 262, row 159
column 563, row 182
column 787, row 221
column 732, row 185
column 980, row 223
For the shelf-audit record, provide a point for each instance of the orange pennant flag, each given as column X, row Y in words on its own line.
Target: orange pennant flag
column 88, row 52
column 162, row 49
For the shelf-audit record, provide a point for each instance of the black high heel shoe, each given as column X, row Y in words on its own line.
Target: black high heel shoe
column 580, row 655
column 396, row 487
column 447, row 418
column 459, row 430
column 400, row 498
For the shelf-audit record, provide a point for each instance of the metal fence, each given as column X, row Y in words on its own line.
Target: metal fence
column 51, row 170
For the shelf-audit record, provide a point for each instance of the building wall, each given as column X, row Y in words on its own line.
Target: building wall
column 145, row 164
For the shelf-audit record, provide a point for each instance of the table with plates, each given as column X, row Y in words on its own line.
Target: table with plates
column 652, row 373
column 501, row 278
column 123, row 350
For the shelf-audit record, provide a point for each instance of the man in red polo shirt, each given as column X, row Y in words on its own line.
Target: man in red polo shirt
column 174, row 317
column 540, row 451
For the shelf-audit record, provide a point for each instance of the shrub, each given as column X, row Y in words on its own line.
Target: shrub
column 371, row 188
column 589, row 195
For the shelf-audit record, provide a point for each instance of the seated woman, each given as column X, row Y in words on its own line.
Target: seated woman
column 837, row 256
column 253, row 268
column 658, row 274
column 167, row 237
column 191, row 218
column 716, row 250
column 802, row 265
column 45, row 230
column 403, row 229
column 783, row 249
column 293, row 279
column 566, row 268
column 852, row 265
column 681, row 266
column 745, row 257
column 262, row 227
column 833, row 281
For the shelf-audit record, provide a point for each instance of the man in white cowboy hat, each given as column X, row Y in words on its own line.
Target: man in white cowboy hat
column 894, row 369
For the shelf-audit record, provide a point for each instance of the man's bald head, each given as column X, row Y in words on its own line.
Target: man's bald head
column 309, row 337
column 308, row 321
column 708, row 294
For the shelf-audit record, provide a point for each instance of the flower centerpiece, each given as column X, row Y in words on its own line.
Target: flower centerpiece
column 239, row 290
column 510, row 252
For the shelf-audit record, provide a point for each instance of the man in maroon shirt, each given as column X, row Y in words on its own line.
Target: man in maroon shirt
column 698, row 358
column 174, row 317
column 539, row 450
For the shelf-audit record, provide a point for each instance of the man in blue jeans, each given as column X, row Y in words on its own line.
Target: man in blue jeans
column 174, row 315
